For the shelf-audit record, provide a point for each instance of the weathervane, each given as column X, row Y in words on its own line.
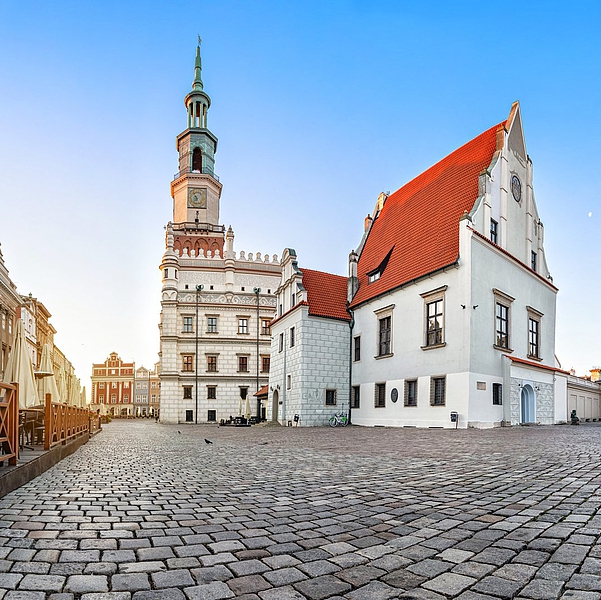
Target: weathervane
column 199, row 40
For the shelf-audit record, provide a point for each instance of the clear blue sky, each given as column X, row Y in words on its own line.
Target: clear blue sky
column 318, row 107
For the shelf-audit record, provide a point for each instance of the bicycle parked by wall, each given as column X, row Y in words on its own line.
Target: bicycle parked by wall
column 339, row 419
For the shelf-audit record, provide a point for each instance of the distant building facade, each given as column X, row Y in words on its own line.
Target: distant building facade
column 146, row 392
column 113, row 387
column 216, row 305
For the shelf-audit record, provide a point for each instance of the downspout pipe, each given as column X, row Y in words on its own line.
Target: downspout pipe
column 350, row 364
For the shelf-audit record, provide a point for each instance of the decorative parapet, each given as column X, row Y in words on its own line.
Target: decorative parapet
column 257, row 257
column 227, row 298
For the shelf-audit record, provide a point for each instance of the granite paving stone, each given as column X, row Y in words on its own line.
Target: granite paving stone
column 422, row 514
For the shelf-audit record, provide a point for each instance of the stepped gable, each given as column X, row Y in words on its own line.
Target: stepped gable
column 417, row 228
column 326, row 294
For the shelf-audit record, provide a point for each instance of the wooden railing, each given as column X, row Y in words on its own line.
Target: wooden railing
column 9, row 423
column 63, row 422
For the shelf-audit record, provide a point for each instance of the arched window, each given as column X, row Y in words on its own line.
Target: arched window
column 197, row 160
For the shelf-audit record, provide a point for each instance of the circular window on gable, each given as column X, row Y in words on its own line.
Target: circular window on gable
column 516, row 188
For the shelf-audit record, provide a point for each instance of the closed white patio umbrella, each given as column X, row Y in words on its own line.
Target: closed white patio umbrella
column 62, row 385
column 47, row 385
column 19, row 369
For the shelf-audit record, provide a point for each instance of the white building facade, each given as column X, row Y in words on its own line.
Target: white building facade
column 216, row 305
column 453, row 303
column 309, row 378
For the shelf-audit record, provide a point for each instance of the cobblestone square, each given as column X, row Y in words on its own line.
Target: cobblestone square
column 146, row 510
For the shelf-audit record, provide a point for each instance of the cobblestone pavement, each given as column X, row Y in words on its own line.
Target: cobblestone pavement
column 145, row 512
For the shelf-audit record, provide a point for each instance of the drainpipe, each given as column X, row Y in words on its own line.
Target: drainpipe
column 350, row 364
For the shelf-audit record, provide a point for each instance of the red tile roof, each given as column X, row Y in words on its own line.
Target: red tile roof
column 420, row 221
column 531, row 363
column 326, row 294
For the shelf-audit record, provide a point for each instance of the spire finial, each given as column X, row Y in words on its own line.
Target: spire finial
column 197, row 83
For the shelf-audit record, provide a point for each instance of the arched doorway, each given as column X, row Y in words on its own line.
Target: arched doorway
column 276, row 404
column 527, row 405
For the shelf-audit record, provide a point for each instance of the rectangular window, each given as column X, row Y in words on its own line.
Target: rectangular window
column 330, row 397
column 494, row 231
column 533, row 338
column 356, row 397
column 265, row 327
column 380, row 395
column 189, row 416
column 188, row 325
column 384, row 336
column 114, row 385
column 243, row 364
column 533, row 260
column 212, row 363
column 292, row 340
column 126, row 398
column 243, row 326
column 502, row 326
column 357, row 348
column 211, row 324
column 101, row 385
column 497, row 393
column 281, row 344
column 243, row 392
column 211, row 392
column 434, row 333
column 101, row 399
column 438, row 391
column 187, row 362
column 265, row 363
column 293, row 299
column 288, row 382
column 411, row 392
column 187, row 392
column 211, row 416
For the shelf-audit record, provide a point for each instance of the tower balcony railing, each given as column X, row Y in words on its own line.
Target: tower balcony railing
column 197, row 226
column 204, row 171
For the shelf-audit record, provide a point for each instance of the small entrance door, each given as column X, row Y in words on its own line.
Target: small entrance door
column 276, row 404
column 527, row 405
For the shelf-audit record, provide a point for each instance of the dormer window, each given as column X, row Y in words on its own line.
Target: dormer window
column 377, row 273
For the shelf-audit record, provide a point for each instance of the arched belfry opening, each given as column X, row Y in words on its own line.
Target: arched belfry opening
column 197, row 160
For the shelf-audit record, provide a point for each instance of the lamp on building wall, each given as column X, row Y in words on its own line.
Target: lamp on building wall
column 257, row 291
column 199, row 289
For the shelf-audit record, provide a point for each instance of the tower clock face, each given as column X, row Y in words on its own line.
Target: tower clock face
column 516, row 188
column 197, row 198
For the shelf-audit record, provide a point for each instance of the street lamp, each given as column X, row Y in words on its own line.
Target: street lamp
column 257, row 291
column 199, row 289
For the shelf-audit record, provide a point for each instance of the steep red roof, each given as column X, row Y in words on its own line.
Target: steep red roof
column 326, row 294
column 420, row 221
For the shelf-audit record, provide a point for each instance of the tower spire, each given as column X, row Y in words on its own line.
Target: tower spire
column 197, row 83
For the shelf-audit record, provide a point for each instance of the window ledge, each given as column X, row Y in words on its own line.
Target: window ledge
column 507, row 350
column 537, row 358
column 434, row 346
column 384, row 356
column 211, row 332
column 443, row 404
column 410, row 405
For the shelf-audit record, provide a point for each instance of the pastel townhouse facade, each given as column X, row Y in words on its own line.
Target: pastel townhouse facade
column 453, row 304
column 216, row 304
column 309, row 377
column 9, row 303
